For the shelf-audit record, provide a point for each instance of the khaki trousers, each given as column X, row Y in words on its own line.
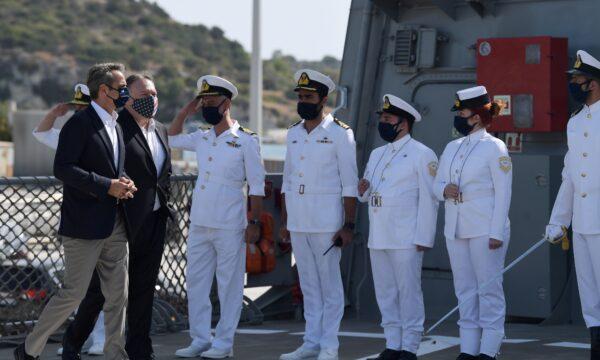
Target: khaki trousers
column 109, row 256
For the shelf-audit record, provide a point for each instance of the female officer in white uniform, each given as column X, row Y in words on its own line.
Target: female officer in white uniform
column 398, row 184
column 474, row 180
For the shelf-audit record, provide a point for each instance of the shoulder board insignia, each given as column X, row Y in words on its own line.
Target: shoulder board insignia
column 341, row 123
column 247, row 131
column 205, row 128
column 294, row 124
column 577, row 111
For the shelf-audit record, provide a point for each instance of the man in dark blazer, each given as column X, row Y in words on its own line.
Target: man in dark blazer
column 90, row 162
column 148, row 163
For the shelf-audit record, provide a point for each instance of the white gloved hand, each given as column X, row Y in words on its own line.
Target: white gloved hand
column 554, row 233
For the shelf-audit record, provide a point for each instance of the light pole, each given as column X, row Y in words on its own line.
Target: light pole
column 256, row 84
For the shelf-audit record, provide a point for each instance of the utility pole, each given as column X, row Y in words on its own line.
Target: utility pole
column 256, row 76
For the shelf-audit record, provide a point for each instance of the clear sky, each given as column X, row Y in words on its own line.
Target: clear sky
column 306, row 29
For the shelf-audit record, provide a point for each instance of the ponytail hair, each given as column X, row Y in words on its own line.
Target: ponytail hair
column 488, row 112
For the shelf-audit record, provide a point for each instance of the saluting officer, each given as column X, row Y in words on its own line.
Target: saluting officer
column 44, row 132
column 398, row 184
column 228, row 158
column 579, row 195
column 320, row 188
column 474, row 180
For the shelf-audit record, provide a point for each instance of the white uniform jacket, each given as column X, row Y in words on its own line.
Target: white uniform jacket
column 578, row 199
column 320, row 169
column 225, row 164
column 402, row 206
column 479, row 164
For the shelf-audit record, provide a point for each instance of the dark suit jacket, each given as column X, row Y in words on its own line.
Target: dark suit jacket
column 84, row 162
column 141, row 169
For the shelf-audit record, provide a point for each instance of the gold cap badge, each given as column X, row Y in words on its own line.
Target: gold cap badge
column 205, row 86
column 304, row 80
column 78, row 94
column 578, row 62
column 386, row 103
column 457, row 103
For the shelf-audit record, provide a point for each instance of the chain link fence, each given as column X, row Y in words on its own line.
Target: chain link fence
column 31, row 255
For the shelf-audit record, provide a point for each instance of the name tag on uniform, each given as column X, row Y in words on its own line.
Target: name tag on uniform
column 376, row 200
column 233, row 144
column 324, row 140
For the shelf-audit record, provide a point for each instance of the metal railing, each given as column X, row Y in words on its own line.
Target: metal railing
column 31, row 255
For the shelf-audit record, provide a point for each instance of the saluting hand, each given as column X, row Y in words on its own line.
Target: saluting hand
column 60, row 109
column 363, row 186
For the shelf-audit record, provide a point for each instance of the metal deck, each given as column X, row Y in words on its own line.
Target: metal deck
column 360, row 339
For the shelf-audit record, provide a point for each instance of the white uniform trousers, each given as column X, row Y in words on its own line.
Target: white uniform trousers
column 208, row 251
column 481, row 319
column 397, row 278
column 322, row 288
column 587, row 265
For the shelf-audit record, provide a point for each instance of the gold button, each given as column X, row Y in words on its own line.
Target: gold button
column 583, row 175
column 585, row 134
column 589, row 116
column 301, row 157
column 374, row 210
column 585, row 154
column 214, row 144
column 301, row 174
column 210, row 158
column 583, row 195
column 305, row 141
column 382, row 179
column 462, row 156
column 202, row 187
column 456, row 171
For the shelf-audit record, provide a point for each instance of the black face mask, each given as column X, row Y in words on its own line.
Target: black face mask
column 461, row 124
column 388, row 132
column 146, row 106
column 211, row 114
column 308, row 111
column 123, row 96
column 577, row 92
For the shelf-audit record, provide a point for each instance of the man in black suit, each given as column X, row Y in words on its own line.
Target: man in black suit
column 148, row 163
column 90, row 162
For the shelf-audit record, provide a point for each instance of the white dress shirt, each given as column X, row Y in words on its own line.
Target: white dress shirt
column 225, row 163
column 156, row 149
column 402, row 206
column 110, row 124
column 320, row 169
column 479, row 164
column 578, row 199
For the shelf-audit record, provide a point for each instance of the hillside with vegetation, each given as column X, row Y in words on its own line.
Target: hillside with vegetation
column 47, row 47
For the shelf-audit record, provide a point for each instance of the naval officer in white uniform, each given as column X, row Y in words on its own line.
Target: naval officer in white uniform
column 578, row 200
column 228, row 158
column 475, row 180
column 320, row 181
column 398, row 185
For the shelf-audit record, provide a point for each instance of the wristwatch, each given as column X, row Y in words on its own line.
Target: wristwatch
column 254, row 222
column 349, row 226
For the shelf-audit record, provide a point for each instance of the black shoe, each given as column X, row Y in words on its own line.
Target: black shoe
column 407, row 355
column 20, row 353
column 595, row 343
column 388, row 354
column 70, row 352
column 485, row 357
column 464, row 356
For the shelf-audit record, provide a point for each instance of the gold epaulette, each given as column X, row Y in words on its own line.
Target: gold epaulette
column 341, row 123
